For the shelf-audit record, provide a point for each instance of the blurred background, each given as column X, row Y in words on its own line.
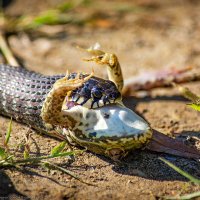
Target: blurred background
column 145, row 34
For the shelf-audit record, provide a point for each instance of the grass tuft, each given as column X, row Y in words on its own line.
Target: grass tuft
column 8, row 159
column 58, row 149
column 8, row 133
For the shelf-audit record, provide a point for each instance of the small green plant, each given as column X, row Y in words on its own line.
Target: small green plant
column 188, row 176
column 188, row 94
column 62, row 14
column 8, row 159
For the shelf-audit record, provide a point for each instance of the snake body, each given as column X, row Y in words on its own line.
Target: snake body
column 22, row 94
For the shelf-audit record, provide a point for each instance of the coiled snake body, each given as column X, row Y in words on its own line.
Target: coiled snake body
column 84, row 108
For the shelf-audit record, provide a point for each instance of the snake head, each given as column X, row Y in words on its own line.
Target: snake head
column 111, row 130
column 93, row 93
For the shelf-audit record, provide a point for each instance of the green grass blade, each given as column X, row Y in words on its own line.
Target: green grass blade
column 190, row 196
column 184, row 197
column 26, row 154
column 195, row 106
column 2, row 153
column 50, row 165
column 180, row 171
column 51, row 17
column 57, row 149
column 8, row 133
column 38, row 159
column 188, row 94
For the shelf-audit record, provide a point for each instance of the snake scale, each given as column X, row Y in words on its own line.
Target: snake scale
column 22, row 94
column 80, row 107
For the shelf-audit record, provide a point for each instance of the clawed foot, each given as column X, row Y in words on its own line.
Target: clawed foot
column 104, row 59
column 109, row 59
column 71, row 84
column 99, row 56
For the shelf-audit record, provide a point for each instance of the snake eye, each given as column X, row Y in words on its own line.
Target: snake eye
column 96, row 93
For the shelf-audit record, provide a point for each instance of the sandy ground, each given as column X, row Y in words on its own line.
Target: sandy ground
column 151, row 35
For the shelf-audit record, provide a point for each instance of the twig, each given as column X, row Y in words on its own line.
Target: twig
column 37, row 159
column 7, row 52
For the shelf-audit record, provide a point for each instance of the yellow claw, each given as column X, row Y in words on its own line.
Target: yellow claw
column 52, row 107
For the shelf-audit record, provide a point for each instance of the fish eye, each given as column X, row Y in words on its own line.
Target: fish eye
column 96, row 93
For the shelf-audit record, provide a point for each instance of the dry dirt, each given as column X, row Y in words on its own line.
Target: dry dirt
column 153, row 35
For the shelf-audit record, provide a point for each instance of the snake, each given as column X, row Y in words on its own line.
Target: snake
column 80, row 108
